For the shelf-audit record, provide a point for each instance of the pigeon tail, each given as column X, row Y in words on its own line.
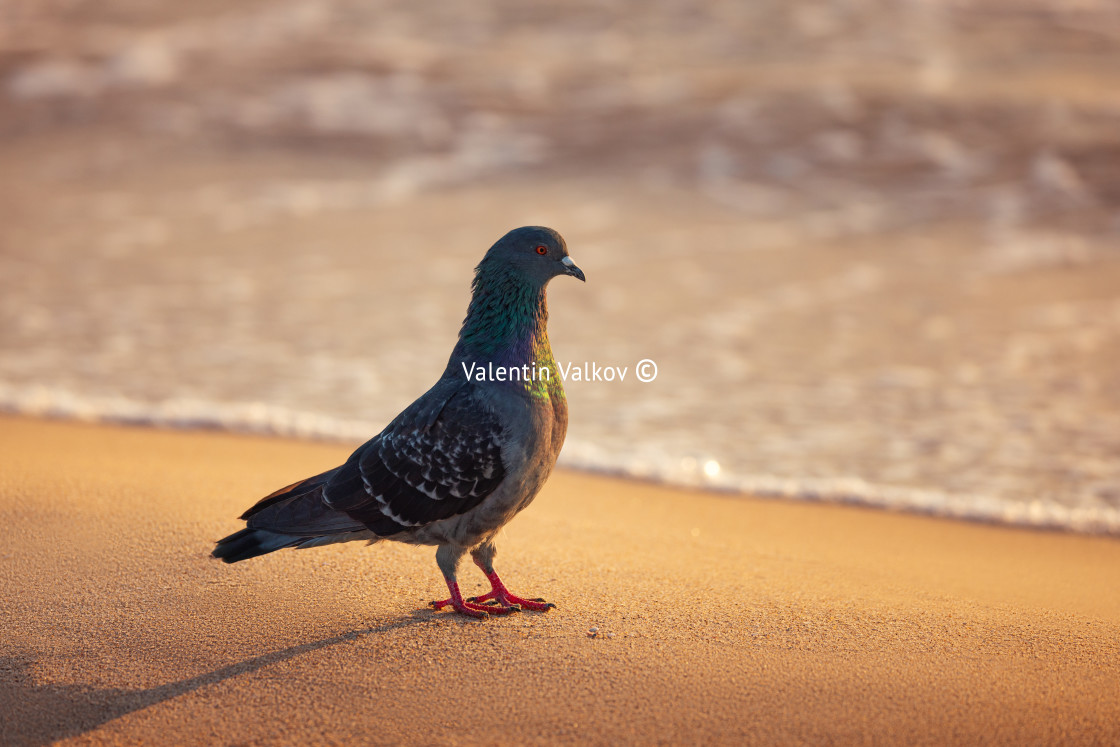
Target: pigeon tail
column 249, row 543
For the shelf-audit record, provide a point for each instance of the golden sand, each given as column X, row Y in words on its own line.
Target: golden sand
column 719, row 619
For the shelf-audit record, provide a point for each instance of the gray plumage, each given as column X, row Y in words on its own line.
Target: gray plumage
column 464, row 458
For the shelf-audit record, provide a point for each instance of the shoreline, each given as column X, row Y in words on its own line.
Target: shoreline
column 254, row 419
column 718, row 621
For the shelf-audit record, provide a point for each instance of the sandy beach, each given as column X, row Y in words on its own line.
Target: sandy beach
column 719, row 619
column 872, row 247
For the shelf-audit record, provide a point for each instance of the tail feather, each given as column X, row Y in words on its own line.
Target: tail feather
column 249, row 543
column 293, row 516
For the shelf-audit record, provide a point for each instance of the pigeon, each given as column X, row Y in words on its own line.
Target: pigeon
column 462, row 460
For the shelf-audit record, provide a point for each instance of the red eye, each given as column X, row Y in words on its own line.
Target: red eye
column 542, row 250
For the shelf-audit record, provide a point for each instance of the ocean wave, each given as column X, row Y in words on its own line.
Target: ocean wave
column 180, row 412
column 648, row 464
column 688, row 472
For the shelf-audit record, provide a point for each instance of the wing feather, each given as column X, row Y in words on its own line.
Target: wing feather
column 423, row 467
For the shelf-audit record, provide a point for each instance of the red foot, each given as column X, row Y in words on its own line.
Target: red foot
column 467, row 608
column 500, row 594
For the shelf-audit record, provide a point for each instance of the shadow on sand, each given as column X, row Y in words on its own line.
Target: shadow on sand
column 37, row 714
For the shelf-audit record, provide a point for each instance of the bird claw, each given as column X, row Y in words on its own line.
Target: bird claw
column 514, row 602
column 471, row 609
column 491, row 603
column 497, row 601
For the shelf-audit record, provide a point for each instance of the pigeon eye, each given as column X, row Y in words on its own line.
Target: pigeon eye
column 542, row 250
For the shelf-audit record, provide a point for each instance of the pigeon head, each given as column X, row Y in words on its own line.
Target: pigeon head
column 508, row 311
column 532, row 253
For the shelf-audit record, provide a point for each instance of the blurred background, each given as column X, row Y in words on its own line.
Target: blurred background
column 873, row 245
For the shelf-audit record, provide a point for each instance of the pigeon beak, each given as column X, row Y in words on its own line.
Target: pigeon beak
column 571, row 269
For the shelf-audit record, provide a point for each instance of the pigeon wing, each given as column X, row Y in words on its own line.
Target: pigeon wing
column 440, row 458
column 298, row 510
column 302, row 487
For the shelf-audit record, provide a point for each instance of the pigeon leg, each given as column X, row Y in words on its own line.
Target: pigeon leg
column 499, row 595
column 448, row 559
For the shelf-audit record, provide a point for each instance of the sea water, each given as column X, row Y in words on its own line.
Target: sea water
column 906, row 375
column 859, row 275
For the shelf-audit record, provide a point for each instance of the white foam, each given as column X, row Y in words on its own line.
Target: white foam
column 645, row 462
column 690, row 471
column 250, row 417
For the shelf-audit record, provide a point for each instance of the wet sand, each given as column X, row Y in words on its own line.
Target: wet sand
column 720, row 620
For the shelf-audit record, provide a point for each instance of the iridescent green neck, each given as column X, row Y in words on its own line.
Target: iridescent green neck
column 504, row 312
column 507, row 325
